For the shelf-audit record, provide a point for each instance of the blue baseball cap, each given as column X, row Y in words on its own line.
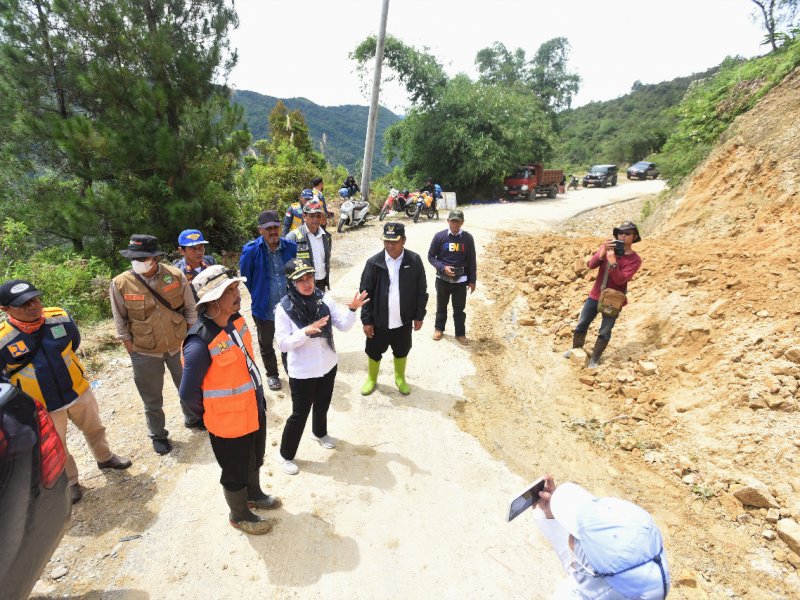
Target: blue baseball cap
column 307, row 194
column 621, row 542
column 191, row 237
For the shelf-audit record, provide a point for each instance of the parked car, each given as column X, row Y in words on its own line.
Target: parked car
column 601, row 175
column 643, row 170
column 35, row 502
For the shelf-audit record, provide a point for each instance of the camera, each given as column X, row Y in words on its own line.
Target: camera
column 619, row 248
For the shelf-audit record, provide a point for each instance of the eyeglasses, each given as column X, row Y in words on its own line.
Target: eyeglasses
column 627, row 233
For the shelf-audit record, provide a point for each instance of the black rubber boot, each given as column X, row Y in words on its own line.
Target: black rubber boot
column 256, row 498
column 577, row 342
column 599, row 347
column 241, row 517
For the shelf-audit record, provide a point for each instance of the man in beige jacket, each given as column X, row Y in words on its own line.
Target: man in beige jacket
column 153, row 308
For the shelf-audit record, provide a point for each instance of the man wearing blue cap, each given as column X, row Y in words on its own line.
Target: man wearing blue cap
column 610, row 548
column 192, row 246
column 294, row 214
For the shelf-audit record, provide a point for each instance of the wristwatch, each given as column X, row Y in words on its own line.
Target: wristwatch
column 612, row 265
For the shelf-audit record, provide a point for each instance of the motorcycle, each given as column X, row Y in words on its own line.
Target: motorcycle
column 426, row 204
column 353, row 213
column 388, row 204
column 573, row 182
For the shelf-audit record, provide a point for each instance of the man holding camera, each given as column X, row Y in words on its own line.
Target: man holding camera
column 452, row 252
column 618, row 264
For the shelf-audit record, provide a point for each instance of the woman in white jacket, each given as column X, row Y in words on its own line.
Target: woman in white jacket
column 304, row 321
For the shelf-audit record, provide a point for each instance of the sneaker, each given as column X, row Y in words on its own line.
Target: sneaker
column 198, row 425
column 115, row 462
column 76, row 492
column 273, row 383
column 325, row 441
column 437, row 335
column 462, row 339
column 162, row 446
column 289, row 467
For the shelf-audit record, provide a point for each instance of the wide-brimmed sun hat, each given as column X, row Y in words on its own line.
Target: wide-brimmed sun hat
column 212, row 282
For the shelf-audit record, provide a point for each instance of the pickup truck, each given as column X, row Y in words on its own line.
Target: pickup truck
column 529, row 181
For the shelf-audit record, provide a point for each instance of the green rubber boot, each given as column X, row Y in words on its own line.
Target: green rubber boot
column 400, row 375
column 372, row 377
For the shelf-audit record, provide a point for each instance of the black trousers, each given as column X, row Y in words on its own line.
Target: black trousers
column 458, row 292
column 240, row 456
column 307, row 394
column 266, row 336
column 399, row 339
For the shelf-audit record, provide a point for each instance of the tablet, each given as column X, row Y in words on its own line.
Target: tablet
column 526, row 499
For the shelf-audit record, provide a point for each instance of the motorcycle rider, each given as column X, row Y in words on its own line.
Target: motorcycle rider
column 314, row 244
column 351, row 186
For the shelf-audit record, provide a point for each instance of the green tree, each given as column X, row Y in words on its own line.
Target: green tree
column 474, row 135
column 419, row 72
column 545, row 74
column 115, row 104
column 773, row 14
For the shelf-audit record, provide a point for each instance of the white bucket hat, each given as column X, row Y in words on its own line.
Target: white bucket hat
column 620, row 540
column 212, row 282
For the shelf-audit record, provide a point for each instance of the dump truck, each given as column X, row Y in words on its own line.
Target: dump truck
column 529, row 181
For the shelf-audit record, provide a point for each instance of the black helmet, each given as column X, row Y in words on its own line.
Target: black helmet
column 405, row 192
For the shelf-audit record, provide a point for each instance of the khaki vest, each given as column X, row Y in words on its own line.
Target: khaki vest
column 155, row 329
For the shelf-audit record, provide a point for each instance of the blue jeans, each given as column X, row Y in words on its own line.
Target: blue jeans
column 588, row 313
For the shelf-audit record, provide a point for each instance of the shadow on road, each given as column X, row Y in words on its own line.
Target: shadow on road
column 302, row 548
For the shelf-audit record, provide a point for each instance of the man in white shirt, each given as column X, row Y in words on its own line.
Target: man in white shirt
column 314, row 243
column 395, row 281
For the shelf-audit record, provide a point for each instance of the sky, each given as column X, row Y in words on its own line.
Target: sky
column 299, row 48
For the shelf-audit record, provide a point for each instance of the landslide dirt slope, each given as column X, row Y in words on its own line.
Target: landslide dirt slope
column 698, row 393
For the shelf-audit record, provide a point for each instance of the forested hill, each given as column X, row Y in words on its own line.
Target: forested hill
column 344, row 127
column 623, row 130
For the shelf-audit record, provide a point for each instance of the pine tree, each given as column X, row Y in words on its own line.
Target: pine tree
column 118, row 107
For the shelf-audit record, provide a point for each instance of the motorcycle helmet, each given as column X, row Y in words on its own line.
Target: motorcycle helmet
column 344, row 192
column 406, row 192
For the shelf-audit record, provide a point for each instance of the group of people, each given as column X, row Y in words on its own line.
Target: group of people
column 187, row 317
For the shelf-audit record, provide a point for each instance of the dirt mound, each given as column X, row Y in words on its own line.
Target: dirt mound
column 701, row 380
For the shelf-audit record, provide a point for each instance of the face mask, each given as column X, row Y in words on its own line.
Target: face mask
column 141, row 267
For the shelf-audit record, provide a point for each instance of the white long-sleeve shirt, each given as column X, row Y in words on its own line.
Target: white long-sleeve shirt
column 309, row 357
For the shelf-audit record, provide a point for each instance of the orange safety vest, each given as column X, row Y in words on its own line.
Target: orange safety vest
column 229, row 396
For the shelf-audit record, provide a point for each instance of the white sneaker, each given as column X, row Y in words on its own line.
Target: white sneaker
column 325, row 441
column 289, row 467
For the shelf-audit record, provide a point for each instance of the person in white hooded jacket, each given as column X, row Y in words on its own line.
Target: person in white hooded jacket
column 610, row 549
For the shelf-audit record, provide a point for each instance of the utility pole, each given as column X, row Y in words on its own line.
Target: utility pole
column 372, row 120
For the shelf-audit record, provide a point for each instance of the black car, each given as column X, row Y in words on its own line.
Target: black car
column 643, row 170
column 601, row 176
column 35, row 502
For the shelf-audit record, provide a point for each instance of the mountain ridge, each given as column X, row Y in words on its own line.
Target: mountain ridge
column 344, row 127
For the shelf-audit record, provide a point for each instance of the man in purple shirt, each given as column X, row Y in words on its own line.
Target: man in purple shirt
column 621, row 270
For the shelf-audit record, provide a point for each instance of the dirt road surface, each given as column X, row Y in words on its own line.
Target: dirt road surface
column 412, row 502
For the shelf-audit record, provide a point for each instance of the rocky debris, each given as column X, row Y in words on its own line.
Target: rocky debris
column 717, row 309
column 773, row 515
column 789, row 531
column 578, row 357
column 587, row 379
column 686, row 578
column 647, row 368
column 769, row 535
column 59, row 572
column 793, row 354
column 755, row 493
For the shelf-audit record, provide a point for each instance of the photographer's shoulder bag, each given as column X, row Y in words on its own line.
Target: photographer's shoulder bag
column 611, row 301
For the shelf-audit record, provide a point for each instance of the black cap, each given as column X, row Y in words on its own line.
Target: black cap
column 393, row 232
column 142, row 246
column 269, row 218
column 296, row 268
column 17, row 292
column 627, row 226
